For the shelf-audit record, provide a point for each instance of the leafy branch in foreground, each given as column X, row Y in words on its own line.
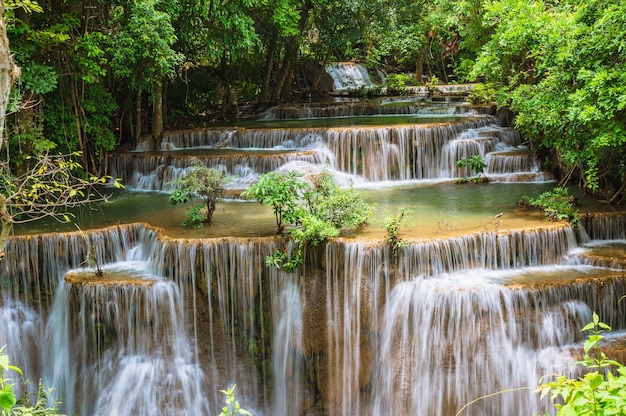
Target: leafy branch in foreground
column 53, row 185
column 232, row 406
column 11, row 405
column 598, row 392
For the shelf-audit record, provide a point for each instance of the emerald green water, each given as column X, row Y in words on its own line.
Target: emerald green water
column 436, row 210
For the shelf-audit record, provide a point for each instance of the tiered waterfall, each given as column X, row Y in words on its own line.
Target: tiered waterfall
column 358, row 330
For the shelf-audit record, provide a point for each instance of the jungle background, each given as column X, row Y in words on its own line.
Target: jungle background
column 97, row 76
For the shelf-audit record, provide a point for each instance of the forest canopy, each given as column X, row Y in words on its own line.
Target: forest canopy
column 98, row 75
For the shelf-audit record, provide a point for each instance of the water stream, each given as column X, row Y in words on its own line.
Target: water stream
column 475, row 303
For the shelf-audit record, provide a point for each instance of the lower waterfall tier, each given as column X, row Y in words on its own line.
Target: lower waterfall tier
column 356, row 331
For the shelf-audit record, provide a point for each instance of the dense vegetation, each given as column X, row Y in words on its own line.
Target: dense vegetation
column 314, row 210
column 97, row 75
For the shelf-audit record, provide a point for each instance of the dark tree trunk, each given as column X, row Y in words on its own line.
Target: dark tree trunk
column 264, row 96
column 157, row 113
column 138, row 118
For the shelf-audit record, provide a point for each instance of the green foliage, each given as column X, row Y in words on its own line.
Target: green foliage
column 339, row 207
column 482, row 94
column 316, row 212
column 203, row 182
column 561, row 66
column 558, row 205
column 600, row 391
column 281, row 192
column 99, row 107
column 311, row 230
column 90, row 56
column 143, row 38
column 53, row 184
column 27, row 5
column 392, row 224
column 232, row 405
column 397, row 83
column 195, row 217
column 10, row 405
column 476, row 163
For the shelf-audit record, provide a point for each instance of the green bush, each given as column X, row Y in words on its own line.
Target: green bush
column 281, row 192
column 482, row 94
column 557, row 205
column 392, row 225
column 476, row 163
column 315, row 212
column 341, row 207
column 397, row 84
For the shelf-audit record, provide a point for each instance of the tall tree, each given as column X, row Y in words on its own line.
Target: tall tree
column 142, row 38
column 54, row 183
column 7, row 71
column 561, row 65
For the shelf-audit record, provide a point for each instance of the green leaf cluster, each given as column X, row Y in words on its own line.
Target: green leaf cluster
column 557, row 205
column 600, row 391
column 315, row 211
column 10, row 405
column 561, row 67
column 392, row 225
column 232, row 406
column 340, row 207
column 281, row 192
column 476, row 163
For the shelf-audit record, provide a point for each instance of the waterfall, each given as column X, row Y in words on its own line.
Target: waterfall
column 358, row 331
column 389, row 153
column 367, row 108
column 444, row 323
column 349, row 76
column 287, row 341
column 446, row 341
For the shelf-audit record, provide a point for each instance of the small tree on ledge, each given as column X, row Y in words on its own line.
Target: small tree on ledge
column 201, row 181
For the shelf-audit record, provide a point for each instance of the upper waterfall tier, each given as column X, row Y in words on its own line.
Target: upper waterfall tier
column 366, row 153
column 357, row 108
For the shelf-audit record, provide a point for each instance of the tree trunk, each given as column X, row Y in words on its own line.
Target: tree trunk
column 6, row 223
column 264, row 96
column 8, row 71
column 419, row 68
column 138, row 118
column 321, row 70
column 281, row 79
column 157, row 113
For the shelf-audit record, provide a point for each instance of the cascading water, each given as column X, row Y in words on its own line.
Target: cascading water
column 444, row 339
column 392, row 333
column 373, row 154
column 349, row 76
column 357, row 331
